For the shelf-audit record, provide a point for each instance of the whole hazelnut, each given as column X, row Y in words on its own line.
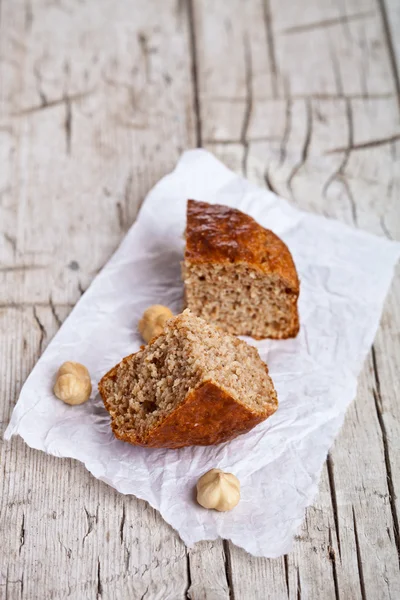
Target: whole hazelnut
column 153, row 320
column 73, row 384
column 218, row 490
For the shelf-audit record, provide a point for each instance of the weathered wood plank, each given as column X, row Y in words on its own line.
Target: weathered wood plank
column 326, row 138
column 108, row 107
column 390, row 13
column 97, row 101
column 63, row 532
column 386, row 365
column 96, row 105
column 208, row 572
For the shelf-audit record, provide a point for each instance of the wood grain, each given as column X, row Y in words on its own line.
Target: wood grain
column 97, row 100
column 328, row 142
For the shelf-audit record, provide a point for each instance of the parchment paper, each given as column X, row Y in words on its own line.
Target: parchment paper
column 345, row 275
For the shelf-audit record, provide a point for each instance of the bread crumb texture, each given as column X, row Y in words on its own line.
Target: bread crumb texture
column 239, row 275
column 193, row 384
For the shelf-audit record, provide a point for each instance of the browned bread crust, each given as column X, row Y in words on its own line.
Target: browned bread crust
column 220, row 234
column 208, row 416
column 227, row 389
column 262, row 290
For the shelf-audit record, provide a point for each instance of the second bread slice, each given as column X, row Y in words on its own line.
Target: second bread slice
column 238, row 275
column 192, row 385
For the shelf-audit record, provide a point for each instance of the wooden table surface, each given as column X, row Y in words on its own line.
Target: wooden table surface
column 98, row 100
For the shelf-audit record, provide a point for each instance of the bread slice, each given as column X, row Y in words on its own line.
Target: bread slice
column 191, row 385
column 239, row 275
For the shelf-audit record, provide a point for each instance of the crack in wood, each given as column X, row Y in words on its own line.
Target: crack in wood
column 18, row 305
column 11, row 240
column 286, row 131
column 269, row 30
column 8, row 580
column 54, row 312
column 7, row 571
column 298, row 96
column 384, row 228
column 268, row 182
column 127, row 558
column 45, row 104
column 339, row 174
column 332, row 558
column 189, row 576
column 146, row 51
column 122, row 525
column 128, row 197
column 230, row 142
column 80, row 288
column 22, row 534
column 28, row 16
column 305, row 27
column 305, row 149
column 386, row 452
column 228, row 569
column 38, row 79
column 68, row 125
column 142, row 597
column 352, row 201
column 332, row 489
column 22, row 268
column 298, row 585
column 359, row 559
column 145, row 569
column 67, row 550
column 249, row 102
column 42, row 329
column 361, row 96
column 194, row 69
column 391, row 49
column 120, row 216
column 366, row 145
column 91, row 521
column 286, row 567
column 99, row 583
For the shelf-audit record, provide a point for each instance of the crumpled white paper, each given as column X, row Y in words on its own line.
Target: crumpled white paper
column 344, row 274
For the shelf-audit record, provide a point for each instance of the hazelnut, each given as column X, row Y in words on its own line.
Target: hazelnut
column 218, row 490
column 73, row 384
column 153, row 321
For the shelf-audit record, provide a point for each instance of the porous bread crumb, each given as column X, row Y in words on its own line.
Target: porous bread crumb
column 152, row 383
column 241, row 300
column 237, row 274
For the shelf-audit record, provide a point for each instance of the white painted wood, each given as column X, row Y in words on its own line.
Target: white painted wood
column 327, row 139
column 99, row 92
column 96, row 106
column 209, row 572
column 390, row 13
column 97, row 100
column 386, row 364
